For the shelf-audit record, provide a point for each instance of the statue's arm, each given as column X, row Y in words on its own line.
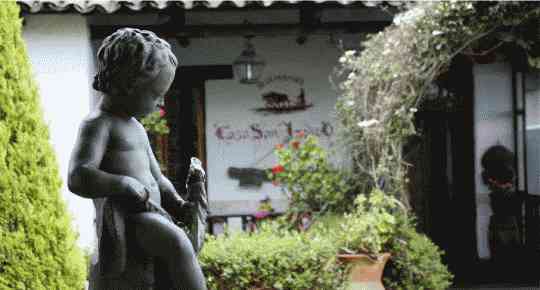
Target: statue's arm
column 84, row 176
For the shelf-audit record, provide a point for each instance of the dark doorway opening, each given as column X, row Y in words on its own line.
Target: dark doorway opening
column 186, row 117
column 443, row 185
column 443, row 189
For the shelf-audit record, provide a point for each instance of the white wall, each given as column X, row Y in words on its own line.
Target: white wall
column 231, row 104
column 59, row 50
column 493, row 121
column 533, row 133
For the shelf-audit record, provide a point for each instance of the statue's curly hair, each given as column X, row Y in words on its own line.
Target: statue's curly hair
column 128, row 54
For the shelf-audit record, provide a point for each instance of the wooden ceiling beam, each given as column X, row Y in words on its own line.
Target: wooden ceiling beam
column 197, row 31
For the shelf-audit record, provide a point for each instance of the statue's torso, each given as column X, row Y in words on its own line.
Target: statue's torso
column 126, row 154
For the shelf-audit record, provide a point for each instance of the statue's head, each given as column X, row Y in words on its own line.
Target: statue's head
column 135, row 68
column 499, row 170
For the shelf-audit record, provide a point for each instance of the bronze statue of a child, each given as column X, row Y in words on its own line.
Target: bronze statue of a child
column 113, row 163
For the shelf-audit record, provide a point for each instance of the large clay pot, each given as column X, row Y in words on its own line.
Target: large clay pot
column 366, row 272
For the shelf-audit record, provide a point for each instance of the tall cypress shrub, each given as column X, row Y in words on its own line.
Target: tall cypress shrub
column 37, row 244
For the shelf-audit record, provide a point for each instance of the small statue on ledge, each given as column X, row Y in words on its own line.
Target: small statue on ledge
column 113, row 164
column 499, row 176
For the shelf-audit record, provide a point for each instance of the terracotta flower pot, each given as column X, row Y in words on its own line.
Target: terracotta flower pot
column 365, row 273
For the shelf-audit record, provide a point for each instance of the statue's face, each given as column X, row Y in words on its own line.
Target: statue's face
column 148, row 92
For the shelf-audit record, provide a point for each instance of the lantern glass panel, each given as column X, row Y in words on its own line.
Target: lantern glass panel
column 248, row 67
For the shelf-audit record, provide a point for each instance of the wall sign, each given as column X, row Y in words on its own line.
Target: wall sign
column 256, row 132
column 283, row 94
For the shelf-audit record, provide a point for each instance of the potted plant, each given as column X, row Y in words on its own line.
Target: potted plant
column 365, row 237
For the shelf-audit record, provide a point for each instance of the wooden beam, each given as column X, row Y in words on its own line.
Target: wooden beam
column 198, row 31
column 177, row 18
column 202, row 73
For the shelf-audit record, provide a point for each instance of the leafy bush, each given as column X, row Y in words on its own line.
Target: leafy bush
column 378, row 224
column 313, row 183
column 277, row 258
column 37, row 244
column 271, row 258
column 416, row 263
column 371, row 226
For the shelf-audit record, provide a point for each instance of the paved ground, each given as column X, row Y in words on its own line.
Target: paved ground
column 498, row 287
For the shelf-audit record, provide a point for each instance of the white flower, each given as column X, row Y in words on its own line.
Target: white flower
column 413, row 110
column 409, row 17
column 342, row 59
column 368, row 123
column 349, row 103
column 349, row 53
column 351, row 76
column 436, row 32
column 347, row 84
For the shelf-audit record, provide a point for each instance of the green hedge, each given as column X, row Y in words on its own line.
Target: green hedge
column 276, row 258
column 37, row 245
column 272, row 258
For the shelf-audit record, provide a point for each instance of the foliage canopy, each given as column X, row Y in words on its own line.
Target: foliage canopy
column 382, row 86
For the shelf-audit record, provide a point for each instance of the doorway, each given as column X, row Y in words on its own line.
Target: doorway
column 442, row 176
column 186, row 117
column 482, row 106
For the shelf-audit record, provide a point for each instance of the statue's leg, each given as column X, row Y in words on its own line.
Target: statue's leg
column 160, row 238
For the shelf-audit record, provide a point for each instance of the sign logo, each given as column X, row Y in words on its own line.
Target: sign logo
column 283, row 94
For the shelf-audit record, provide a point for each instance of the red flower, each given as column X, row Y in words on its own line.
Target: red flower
column 161, row 112
column 295, row 144
column 500, row 185
column 279, row 146
column 278, row 169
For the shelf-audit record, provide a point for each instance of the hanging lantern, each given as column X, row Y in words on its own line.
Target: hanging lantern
column 248, row 67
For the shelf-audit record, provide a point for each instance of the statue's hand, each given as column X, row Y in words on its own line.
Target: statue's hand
column 196, row 172
column 136, row 189
column 188, row 206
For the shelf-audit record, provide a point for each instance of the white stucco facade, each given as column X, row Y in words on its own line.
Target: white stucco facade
column 237, row 135
column 63, row 64
column 60, row 53
column 63, row 60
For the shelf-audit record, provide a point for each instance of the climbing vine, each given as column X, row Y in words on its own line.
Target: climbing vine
column 383, row 84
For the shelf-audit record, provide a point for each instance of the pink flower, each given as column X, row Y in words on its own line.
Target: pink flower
column 301, row 134
column 261, row 214
column 161, row 112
